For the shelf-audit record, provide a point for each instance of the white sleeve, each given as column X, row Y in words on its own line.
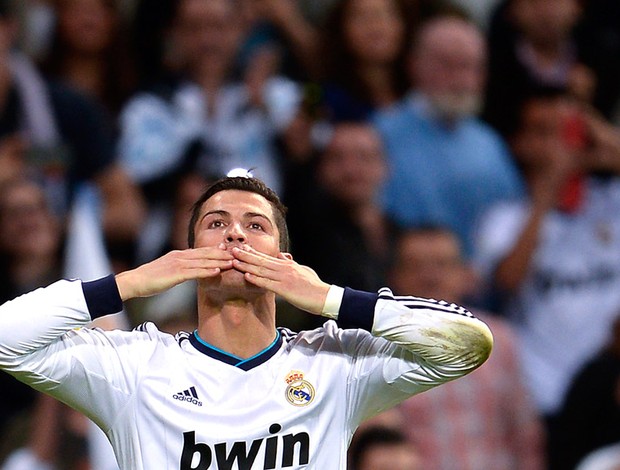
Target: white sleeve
column 414, row 344
column 44, row 343
column 35, row 320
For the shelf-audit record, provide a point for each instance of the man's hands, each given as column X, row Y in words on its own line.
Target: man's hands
column 299, row 285
column 171, row 269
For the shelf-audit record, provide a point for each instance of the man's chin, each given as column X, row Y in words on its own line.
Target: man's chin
column 456, row 106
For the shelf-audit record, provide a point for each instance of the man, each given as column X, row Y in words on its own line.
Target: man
column 58, row 136
column 553, row 257
column 533, row 43
column 492, row 420
column 205, row 118
column 440, row 154
column 237, row 392
column 205, row 113
column 340, row 191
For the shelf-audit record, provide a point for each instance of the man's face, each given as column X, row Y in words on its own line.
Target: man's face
column 27, row 227
column 86, row 25
column 207, row 30
column 449, row 67
column 236, row 218
column 353, row 165
column 542, row 131
column 374, row 30
column 429, row 265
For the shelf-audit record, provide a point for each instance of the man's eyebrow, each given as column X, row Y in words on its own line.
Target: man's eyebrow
column 258, row 214
column 248, row 215
column 214, row 212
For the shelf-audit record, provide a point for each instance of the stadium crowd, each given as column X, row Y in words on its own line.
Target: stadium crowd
column 453, row 149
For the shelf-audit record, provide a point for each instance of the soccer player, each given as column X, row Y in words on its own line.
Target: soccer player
column 237, row 393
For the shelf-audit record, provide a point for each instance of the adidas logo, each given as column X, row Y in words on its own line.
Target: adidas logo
column 190, row 395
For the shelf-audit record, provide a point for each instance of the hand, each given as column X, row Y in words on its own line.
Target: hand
column 171, row 269
column 603, row 152
column 297, row 284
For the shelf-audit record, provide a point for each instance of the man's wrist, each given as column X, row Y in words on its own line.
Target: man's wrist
column 102, row 296
column 333, row 300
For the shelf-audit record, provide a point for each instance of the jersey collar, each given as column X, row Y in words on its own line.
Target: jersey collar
column 243, row 364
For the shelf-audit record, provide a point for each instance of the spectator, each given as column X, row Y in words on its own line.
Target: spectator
column 89, row 51
column 487, row 421
column 174, row 310
column 207, row 119
column 589, row 418
column 532, row 44
column 554, row 257
column 60, row 137
column 231, row 122
column 446, row 166
column 30, row 238
column 343, row 196
column 380, row 448
column 30, row 250
column 285, row 30
column 365, row 45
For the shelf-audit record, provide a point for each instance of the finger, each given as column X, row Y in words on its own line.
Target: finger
column 206, row 264
column 208, row 253
column 256, row 269
column 262, row 282
column 252, row 256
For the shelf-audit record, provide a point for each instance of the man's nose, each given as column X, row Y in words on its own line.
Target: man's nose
column 235, row 233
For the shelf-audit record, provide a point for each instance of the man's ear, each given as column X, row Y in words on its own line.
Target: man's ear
column 285, row 256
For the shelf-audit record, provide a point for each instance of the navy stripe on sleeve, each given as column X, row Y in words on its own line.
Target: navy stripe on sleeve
column 102, row 296
column 357, row 309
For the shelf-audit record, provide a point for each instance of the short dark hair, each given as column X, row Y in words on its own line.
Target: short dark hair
column 242, row 183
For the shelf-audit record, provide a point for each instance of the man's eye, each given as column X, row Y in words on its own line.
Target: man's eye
column 216, row 224
column 256, row 226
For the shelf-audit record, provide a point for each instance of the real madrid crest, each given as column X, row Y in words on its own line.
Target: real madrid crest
column 299, row 391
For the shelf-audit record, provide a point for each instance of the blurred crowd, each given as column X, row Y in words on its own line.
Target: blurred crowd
column 455, row 149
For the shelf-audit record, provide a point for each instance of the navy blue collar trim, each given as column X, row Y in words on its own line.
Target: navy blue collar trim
column 243, row 364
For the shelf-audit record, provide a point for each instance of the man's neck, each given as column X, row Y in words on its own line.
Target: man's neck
column 242, row 328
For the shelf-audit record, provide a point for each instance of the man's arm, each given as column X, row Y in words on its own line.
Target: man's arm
column 446, row 335
column 37, row 319
column 32, row 321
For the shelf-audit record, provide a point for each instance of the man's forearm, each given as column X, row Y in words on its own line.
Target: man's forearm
column 37, row 319
column 448, row 336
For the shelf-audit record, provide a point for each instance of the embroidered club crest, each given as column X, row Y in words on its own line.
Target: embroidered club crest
column 299, row 391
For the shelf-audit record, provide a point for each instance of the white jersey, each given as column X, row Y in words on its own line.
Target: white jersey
column 566, row 304
column 169, row 402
